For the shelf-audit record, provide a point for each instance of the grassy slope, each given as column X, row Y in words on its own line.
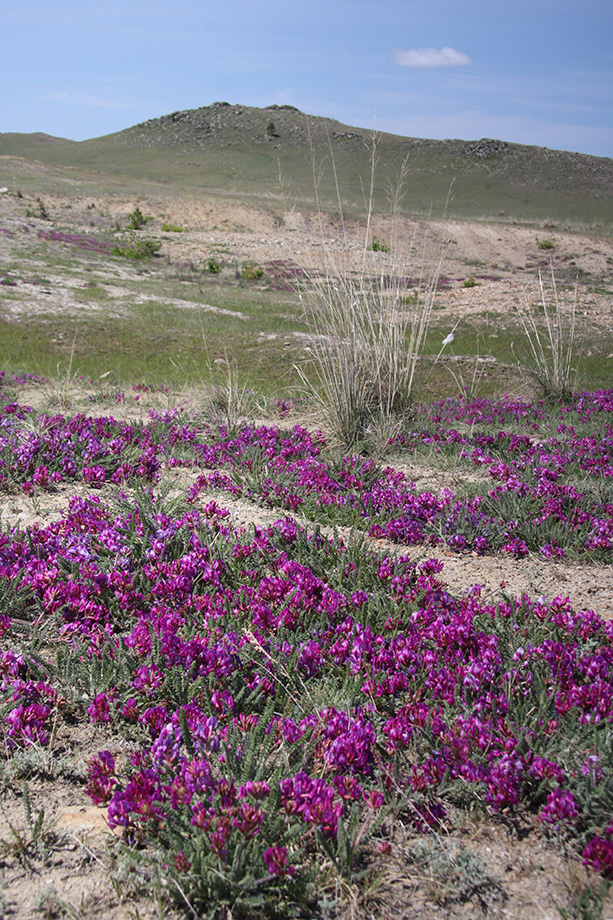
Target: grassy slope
column 225, row 149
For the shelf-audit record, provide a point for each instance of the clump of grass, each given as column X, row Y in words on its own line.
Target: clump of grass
column 368, row 335
column 35, row 840
column 62, row 385
column 378, row 245
column 172, row 228
column 227, row 400
column 551, row 342
column 251, row 272
column 545, row 244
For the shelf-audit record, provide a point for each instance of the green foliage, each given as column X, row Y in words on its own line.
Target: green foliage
column 240, row 884
column 378, row 246
column 589, row 904
column 172, row 228
column 251, row 272
column 545, row 244
column 213, row 267
column 138, row 249
column 136, row 219
column 470, row 282
column 353, row 834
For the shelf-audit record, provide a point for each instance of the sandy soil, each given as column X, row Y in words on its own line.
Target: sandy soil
column 503, row 258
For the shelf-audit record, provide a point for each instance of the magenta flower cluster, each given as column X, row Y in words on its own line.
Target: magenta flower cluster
column 279, row 681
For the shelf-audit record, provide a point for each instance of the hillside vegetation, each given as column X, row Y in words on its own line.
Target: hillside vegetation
column 242, row 150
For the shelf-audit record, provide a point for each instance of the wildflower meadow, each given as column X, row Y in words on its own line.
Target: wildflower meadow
column 301, row 704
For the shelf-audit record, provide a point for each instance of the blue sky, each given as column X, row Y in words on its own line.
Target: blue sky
column 538, row 72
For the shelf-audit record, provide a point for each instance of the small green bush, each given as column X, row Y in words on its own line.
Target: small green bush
column 172, row 228
column 378, row 246
column 251, row 272
column 545, row 244
column 213, row 267
column 136, row 219
column 138, row 249
column 470, row 282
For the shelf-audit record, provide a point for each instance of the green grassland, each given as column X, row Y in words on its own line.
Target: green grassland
column 222, row 149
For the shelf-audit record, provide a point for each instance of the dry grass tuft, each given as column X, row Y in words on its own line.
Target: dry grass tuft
column 369, row 312
column 550, row 329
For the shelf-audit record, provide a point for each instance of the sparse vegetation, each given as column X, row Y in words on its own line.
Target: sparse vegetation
column 570, row 189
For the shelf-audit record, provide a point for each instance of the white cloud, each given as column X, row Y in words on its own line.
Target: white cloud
column 429, row 58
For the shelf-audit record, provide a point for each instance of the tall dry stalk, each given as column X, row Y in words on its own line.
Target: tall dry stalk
column 369, row 325
column 551, row 342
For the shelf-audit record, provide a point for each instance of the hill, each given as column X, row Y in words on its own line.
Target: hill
column 253, row 153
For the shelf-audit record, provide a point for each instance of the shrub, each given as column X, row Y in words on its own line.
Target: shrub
column 39, row 211
column 378, row 246
column 251, row 272
column 138, row 249
column 471, row 282
column 172, row 228
column 545, row 244
column 136, row 219
column 213, row 267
